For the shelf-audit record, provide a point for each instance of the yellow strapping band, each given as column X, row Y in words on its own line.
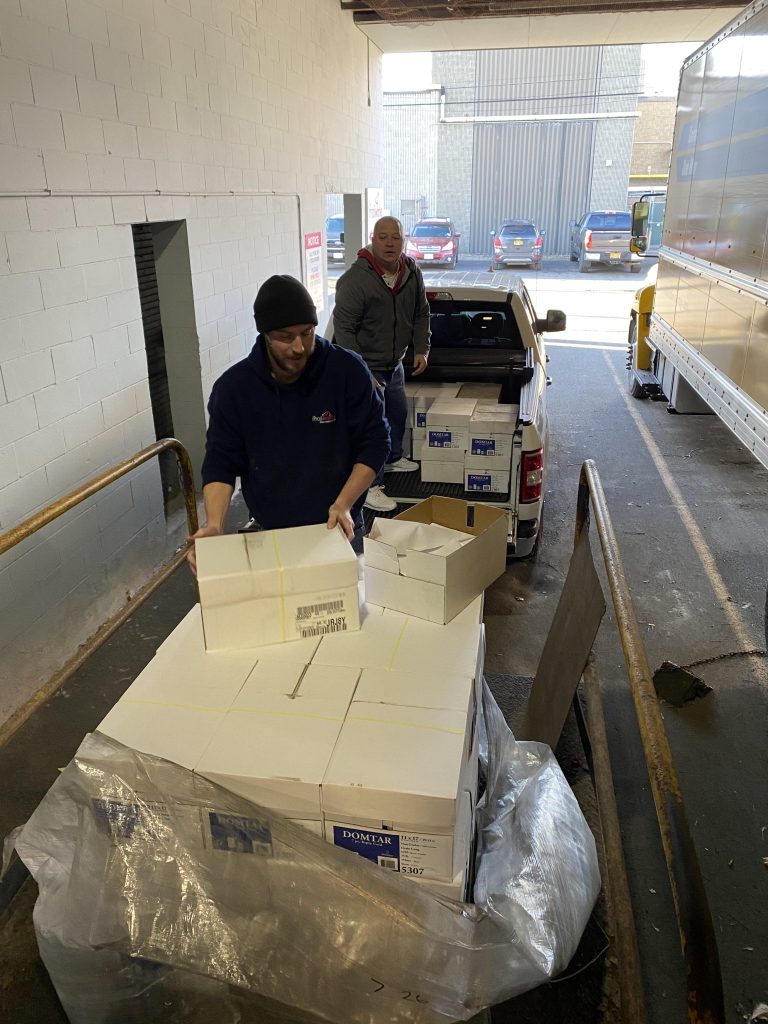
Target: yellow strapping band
column 276, row 547
column 397, row 644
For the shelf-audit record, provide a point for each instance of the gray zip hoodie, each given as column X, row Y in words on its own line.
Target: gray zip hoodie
column 377, row 321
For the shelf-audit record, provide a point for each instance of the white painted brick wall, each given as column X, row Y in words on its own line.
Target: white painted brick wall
column 117, row 108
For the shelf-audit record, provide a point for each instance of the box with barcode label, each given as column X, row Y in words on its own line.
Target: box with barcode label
column 275, row 586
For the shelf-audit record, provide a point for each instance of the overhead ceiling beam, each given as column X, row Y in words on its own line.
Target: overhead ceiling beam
column 409, row 11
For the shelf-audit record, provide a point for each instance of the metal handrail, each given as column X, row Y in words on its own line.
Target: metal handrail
column 47, row 515
column 694, row 919
column 98, row 483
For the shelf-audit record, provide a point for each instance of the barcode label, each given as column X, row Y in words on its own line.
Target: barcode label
column 388, row 862
column 310, row 611
column 337, row 625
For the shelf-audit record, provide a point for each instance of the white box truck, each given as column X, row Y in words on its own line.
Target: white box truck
column 699, row 336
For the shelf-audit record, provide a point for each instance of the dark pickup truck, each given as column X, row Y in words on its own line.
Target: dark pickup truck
column 602, row 236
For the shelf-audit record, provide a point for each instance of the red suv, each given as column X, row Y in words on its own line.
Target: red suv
column 434, row 240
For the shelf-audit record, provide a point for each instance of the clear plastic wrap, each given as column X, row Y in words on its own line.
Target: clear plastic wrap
column 158, row 888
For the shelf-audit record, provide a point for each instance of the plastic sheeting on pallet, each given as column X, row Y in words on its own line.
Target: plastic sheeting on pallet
column 163, row 896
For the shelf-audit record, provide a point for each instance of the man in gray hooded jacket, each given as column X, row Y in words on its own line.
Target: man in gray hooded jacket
column 381, row 307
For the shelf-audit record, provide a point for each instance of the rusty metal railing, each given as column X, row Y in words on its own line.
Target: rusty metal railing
column 47, row 515
column 697, row 934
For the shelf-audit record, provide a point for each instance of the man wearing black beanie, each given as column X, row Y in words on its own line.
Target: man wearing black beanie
column 299, row 421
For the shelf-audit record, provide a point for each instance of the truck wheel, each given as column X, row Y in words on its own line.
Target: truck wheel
column 572, row 257
column 584, row 267
column 634, row 387
column 634, row 268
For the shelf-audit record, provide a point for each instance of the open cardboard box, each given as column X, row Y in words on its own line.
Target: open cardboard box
column 416, row 565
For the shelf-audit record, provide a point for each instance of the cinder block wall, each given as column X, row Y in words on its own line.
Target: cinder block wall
column 236, row 116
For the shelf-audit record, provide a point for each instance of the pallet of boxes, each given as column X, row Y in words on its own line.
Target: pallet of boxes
column 461, row 434
column 354, row 716
column 277, row 820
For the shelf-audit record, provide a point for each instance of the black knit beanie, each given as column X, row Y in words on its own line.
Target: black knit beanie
column 282, row 301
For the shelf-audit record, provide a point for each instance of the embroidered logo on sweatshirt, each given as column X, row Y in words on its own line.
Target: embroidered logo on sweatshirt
column 325, row 417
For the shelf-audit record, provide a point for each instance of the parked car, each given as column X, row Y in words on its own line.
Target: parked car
column 433, row 240
column 603, row 236
column 334, row 239
column 517, row 243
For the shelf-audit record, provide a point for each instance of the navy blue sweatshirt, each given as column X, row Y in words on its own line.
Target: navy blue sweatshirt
column 293, row 445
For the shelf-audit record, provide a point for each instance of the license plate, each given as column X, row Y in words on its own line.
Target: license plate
column 518, row 241
column 338, row 255
column 429, row 256
column 615, row 255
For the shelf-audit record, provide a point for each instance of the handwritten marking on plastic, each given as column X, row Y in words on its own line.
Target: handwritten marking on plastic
column 413, row 997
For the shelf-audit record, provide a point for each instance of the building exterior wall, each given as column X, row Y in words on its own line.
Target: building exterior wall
column 230, row 115
column 411, row 185
column 544, row 169
column 653, row 142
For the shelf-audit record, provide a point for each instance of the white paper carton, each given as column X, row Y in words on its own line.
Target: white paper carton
column 277, row 585
column 179, row 733
column 451, row 412
column 188, row 638
column 442, row 453
column 497, row 419
column 426, row 395
column 481, row 392
column 447, row 690
column 485, row 444
column 273, row 745
column 403, row 572
column 482, row 474
column 398, row 641
column 407, row 807
column 442, row 472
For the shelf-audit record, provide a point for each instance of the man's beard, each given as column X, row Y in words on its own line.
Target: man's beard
column 287, row 365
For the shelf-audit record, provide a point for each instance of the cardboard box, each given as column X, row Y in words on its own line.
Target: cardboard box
column 407, row 443
column 188, row 638
column 426, row 395
column 450, row 412
column 177, row 733
column 447, row 436
column 411, row 390
column 277, row 585
column 442, row 472
column 449, row 691
column 275, row 742
column 495, row 419
column 444, row 449
column 487, row 445
column 407, row 810
column 398, row 641
column 434, row 585
column 481, row 392
column 483, row 474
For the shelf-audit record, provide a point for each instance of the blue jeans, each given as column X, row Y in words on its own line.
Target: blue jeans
column 395, row 409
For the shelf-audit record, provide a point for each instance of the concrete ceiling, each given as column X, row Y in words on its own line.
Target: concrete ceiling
column 403, row 26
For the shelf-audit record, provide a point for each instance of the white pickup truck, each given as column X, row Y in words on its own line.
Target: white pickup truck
column 487, row 334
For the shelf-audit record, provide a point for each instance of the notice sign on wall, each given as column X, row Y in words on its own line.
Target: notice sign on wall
column 313, row 268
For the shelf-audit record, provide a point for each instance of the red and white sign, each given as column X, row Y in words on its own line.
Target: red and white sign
column 313, row 268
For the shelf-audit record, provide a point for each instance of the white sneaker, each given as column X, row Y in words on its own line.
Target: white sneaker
column 378, row 500
column 402, row 465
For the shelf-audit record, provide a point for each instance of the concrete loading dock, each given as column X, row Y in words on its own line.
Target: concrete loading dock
column 718, row 743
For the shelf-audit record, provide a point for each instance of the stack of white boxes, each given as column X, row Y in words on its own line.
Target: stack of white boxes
column 420, row 398
column 445, row 447
column 367, row 736
column 488, row 461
